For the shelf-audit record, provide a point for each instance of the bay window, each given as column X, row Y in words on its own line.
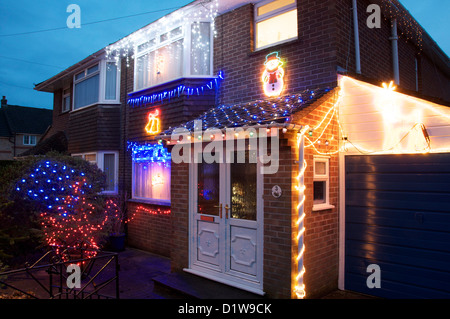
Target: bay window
column 96, row 84
column 276, row 21
column 108, row 162
column 181, row 51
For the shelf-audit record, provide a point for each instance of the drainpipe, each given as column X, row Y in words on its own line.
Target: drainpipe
column 356, row 28
column 394, row 40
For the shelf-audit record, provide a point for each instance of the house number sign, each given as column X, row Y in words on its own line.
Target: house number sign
column 276, row 191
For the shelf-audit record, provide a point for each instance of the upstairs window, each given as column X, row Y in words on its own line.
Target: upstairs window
column 276, row 21
column 181, row 51
column 96, row 84
column 29, row 140
column 86, row 87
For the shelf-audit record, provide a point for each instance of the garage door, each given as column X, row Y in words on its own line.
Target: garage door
column 398, row 217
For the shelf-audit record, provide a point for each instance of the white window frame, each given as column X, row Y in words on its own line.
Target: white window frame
column 102, row 65
column 147, row 200
column 66, row 95
column 99, row 161
column 29, row 143
column 187, row 39
column 322, row 178
column 267, row 16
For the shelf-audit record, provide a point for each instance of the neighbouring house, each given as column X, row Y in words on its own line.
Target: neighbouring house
column 21, row 128
column 86, row 113
column 281, row 147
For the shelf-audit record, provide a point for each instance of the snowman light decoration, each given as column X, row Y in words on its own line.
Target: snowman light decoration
column 272, row 78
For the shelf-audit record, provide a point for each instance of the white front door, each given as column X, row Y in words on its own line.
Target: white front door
column 226, row 220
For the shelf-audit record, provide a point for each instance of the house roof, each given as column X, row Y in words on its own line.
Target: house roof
column 270, row 112
column 22, row 119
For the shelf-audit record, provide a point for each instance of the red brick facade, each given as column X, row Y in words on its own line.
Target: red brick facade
column 325, row 47
column 325, row 43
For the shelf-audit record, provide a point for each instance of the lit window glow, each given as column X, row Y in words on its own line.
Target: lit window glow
column 279, row 28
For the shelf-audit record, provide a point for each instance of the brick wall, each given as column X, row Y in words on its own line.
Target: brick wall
column 60, row 121
column 322, row 232
column 180, row 216
column 309, row 61
column 149, row 228
column 376, row 53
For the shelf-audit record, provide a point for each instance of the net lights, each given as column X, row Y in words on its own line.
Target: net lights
column 49, row 182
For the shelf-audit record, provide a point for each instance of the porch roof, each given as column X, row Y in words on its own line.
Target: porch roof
column 268, row 112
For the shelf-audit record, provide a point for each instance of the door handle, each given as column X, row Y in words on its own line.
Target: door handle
column 227, row 208
column 220, row 210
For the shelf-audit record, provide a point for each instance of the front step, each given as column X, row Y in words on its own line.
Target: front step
column 189, row 286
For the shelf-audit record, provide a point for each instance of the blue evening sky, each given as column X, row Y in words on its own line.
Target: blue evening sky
column 26, row 59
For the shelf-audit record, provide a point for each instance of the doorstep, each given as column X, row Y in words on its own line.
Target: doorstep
column 190, row 286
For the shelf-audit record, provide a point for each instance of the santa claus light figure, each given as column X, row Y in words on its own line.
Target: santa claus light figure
column 272, row 78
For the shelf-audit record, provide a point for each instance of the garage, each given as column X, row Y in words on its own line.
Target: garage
column 397, row 216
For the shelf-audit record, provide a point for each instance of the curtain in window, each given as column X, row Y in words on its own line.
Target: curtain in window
column 151, row 180
column 162, row 65
column 86, row 92
column 111, row 81
column 201, row 48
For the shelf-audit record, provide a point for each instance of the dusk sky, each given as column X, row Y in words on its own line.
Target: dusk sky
column 28, row 57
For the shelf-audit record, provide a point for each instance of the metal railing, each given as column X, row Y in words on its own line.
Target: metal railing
column 47, row 277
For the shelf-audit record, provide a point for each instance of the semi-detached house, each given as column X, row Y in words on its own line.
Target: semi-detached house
column 354, row 120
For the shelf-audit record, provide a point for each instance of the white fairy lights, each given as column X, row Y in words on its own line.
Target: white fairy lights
column 199, row 11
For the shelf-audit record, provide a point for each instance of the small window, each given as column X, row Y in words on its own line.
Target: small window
column 29, row 140
column 66, row 101
column 321, row 183
column 276, row 21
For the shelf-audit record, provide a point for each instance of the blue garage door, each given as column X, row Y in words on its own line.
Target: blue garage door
column 398, row 217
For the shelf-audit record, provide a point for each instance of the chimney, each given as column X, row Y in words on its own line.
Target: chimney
column 4, row 101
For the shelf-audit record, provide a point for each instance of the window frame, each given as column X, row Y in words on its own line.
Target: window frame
column 271, row 14
column 29, row 143
column 322, row 178
column 186, row 36
column 64, row 96
column 99, row 161
column 148, row 200
column 102, row 68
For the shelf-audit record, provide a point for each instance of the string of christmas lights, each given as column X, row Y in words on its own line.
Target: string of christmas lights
column 299, row 288
column 409, row 28
column 150, row 211
column 200, row 11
